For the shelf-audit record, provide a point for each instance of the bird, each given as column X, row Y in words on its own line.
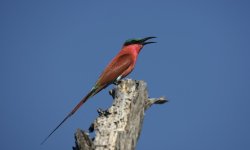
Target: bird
column 118, row 68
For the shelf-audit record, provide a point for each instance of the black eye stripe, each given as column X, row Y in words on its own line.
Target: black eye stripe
column 129, row 42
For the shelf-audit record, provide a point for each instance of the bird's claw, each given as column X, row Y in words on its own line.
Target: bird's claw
column 117, row 82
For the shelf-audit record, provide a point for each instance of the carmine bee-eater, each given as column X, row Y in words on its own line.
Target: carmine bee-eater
column 118, row 68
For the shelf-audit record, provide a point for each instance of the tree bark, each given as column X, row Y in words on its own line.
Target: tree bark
column 119, row 127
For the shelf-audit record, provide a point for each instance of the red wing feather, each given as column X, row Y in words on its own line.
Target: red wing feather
column 114, row 69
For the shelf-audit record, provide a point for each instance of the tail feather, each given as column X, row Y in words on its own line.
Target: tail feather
column 90, row 94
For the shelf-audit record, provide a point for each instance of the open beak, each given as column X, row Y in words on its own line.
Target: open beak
column 144, row 41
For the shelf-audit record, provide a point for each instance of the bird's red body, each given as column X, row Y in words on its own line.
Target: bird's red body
column 119, row 67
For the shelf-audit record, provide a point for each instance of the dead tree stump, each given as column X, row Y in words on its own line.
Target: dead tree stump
column 119, row 127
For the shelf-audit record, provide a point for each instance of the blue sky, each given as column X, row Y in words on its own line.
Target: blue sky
column 53, row 51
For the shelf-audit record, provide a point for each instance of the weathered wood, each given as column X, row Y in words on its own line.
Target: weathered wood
column 82, row 141
column 119, row 127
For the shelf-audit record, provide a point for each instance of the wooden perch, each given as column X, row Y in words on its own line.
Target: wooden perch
column 119, row 127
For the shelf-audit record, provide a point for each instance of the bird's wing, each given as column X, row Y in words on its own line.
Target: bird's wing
column 114, row 69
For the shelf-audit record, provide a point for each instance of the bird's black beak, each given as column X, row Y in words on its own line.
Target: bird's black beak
column 143, row 41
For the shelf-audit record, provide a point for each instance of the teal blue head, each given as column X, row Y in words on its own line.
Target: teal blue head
column 142, row 41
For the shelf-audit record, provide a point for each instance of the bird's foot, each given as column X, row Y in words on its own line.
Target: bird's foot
column 117, row 82
column 102, row 112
